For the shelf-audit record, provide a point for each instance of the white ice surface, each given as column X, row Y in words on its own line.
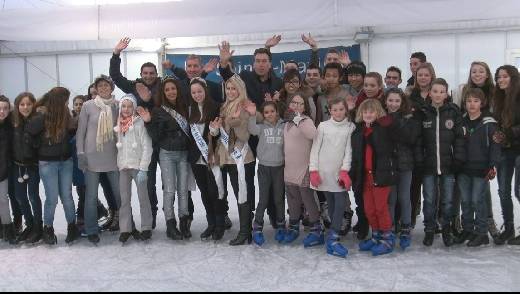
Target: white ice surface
column 164, row 265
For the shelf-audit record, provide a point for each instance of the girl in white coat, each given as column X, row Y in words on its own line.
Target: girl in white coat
column 331, row 158
column 133, row 158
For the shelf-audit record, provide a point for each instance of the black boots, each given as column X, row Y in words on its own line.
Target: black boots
column 346, row 226
column 185, row 226
column 36, row 234
column 171, row 230
column 228, row 222
column 479, row 240
column 244, row 235
column 463, row 237
column 447, row 236
column 94, row 239
column 428, row 239
column 48, row 236
column 220, row 228
column 25, row 234
column 506, row 235
column 72, row 233
column 208, row 233
column 9, row 234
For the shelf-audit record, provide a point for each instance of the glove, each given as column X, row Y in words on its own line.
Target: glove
column 297, row 119
column 344, row 180
column 142, row 177
column 315, row 179
column 82, row 162
column 491, row 174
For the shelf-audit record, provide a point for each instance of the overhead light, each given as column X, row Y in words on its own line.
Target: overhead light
column 152, row 45
column 364, row 36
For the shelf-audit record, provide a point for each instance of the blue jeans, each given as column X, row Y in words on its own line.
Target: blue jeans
column 57, row 182
column 91, row 198
column 174, row 172
column 473, row 192
column 401, row 192
column 509, row 166
column 431, row 185
column 28, row 193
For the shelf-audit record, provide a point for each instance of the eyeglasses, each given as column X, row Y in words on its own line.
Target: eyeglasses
column 298, row 103
column 296, row 83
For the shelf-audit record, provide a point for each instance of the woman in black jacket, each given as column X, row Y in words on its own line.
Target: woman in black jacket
column 168, row 127
column 406, row 136
column 51, row 133
column 25, row 169
column 506, row 103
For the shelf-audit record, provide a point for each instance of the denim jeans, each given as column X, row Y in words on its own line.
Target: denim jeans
column 5, row 212
column 91, row 198
column 337, row 202
column 431, row 186
column 474, row 204
column 509, row 166
column 401, row 192
column 57, row 182
column 28, row 193
column 174, row 173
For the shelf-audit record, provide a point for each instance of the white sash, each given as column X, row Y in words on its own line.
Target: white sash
column 239, row 158
column 204, row 150
column 183, row 123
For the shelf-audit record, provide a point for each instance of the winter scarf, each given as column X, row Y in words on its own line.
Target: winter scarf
column 105, row 130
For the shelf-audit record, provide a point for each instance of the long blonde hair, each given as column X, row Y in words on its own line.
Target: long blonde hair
column 230, row 107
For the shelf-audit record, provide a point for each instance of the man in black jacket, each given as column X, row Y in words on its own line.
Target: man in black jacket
column 194, row 69
column 144, row 89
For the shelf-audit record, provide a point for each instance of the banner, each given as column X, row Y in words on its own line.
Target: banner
column 245, row 62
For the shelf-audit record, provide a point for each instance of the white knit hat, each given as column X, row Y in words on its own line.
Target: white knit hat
column 131, row 98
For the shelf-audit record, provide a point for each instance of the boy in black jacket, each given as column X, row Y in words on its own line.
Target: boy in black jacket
column 483, row 155
column 441, row 154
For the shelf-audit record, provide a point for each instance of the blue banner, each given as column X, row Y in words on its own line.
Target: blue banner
column 245, row 62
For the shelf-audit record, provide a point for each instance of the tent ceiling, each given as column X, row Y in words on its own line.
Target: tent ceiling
column 65, row 20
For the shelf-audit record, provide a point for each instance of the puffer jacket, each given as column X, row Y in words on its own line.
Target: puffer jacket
column 134, row 148
column 165, row 132
column 384, row 161
column 441, row 147
column 407, row 134
column 23, row 152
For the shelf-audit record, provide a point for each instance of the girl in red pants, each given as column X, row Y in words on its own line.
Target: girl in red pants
column 374, row 172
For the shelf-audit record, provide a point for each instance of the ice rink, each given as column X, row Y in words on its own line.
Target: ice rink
column 165, row 265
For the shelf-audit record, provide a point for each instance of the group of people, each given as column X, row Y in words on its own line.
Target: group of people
column 315, row 137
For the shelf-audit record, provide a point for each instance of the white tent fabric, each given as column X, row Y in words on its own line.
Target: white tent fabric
column 188, row 18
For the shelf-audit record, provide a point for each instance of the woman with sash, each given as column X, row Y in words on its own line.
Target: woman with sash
column 204, row 111
column 233, row 153
column 169, row 129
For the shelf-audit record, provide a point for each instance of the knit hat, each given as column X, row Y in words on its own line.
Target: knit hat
column 106, row 79
column 117, row 129
column 356, row 67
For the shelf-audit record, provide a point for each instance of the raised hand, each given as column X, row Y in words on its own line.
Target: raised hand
column 143, row 92
column 144, row 114
column 216, row 124
column 167, row 64
column 273, row 41
column 309, row 40
column 211, row 65
column 250, row 107
column 225, row 53
column 122, row 45
column 344, row 58
column 276, row 96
